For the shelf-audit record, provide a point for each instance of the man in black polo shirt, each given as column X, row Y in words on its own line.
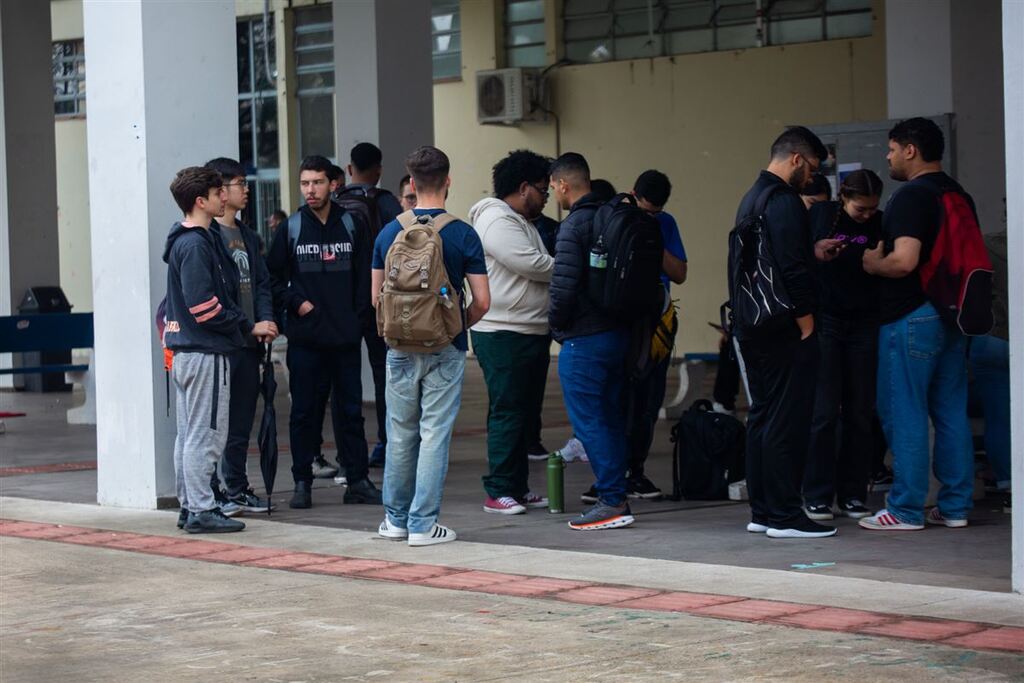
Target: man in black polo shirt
column 321, row 274
column 782, row 357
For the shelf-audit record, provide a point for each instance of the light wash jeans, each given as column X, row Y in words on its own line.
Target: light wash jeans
column 423, row 394
column 922, row 373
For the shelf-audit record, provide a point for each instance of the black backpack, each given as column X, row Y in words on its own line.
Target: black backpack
column 629, row 287
column 757, row 296
column 709, row 453
column 364, row 202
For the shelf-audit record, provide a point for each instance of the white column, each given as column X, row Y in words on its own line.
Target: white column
column 1013, row 92
column 918, row 56
column 28, row 186
column 383, row 88
column 162, row 96
column 383, row 80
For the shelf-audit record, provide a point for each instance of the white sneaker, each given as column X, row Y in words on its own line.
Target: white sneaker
column 883, row 520
column 755, row 528
column 390, row 531
column 573, row 450
column 935, row 517
column 439, row 534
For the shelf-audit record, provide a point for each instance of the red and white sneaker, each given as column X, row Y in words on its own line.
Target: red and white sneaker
column 935, row 517
column 533, row 501
column 886, row 521
column 506, row 505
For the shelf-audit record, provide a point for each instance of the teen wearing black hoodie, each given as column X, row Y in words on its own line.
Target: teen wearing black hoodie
column 321, row 276
column 204, row 326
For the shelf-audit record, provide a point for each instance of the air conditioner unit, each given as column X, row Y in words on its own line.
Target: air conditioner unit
column 507, row 95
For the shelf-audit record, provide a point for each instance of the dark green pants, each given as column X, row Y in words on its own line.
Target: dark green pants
column 515, row 369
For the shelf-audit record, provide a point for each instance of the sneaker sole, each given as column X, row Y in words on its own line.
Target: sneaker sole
column 538, row 456
column 588, row 499
column 889, row 527
column 645, row 496
column 420, row 542
column 535, row 506
column 853, row 515
column 254, row 508
column 819, row 516
column 755, row 528
column 614, row 523
column 949, row 523
column 341, row 481
column 214, row 531
column 510, row 511
column 796, row 533
column 395, row 535
column 233, row 513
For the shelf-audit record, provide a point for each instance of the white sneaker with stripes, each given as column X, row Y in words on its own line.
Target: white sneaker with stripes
column 883, row 520
column 390, row 531
column 935, row 517
column 438, row 534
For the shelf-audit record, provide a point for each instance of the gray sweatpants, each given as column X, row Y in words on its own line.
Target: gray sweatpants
column 202, row 382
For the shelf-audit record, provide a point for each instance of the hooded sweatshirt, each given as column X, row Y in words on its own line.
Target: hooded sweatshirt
column 518, row 266
column 203, row 314
column 328, row 267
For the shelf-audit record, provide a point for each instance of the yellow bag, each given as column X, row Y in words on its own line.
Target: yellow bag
column 664, row 334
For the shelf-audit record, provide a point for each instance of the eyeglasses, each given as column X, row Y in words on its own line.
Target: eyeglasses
column 240, row 183
column 544, row 191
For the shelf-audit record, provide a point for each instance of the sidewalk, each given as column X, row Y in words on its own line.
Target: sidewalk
column 157, row 603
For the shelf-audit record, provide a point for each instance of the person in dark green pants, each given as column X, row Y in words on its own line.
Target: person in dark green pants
column 511, row 342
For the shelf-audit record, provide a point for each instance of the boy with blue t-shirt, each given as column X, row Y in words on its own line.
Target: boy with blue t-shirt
column 424, row 390
column 652, row 190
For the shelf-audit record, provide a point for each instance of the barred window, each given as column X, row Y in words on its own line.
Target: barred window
column 446, row 39
column 68, row 77
column 603, row 30
column 314, row 68
column 524, row 33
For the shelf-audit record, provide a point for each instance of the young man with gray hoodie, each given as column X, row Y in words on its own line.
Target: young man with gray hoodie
column 512, row 340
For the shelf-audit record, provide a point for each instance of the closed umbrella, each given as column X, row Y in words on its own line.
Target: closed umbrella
column 268, row 428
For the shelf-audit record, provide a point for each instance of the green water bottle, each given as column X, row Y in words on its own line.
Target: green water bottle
column 556, row 484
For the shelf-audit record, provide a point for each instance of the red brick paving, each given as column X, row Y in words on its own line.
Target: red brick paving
column 48, row 469
column 923, row 629
column 964, row 634
column 678, row 602
column 833, row 619
column 753, row 610
column 1007, row 638
column 604, row 595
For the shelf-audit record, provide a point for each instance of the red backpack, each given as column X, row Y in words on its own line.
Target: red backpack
column 957, row 277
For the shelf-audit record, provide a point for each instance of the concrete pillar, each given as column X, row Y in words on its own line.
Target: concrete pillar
column 383, row 80
column 1013, row 87
column 918, row 55
column 29, row 253
column 162, row 96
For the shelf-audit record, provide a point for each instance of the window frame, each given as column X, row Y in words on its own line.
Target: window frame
column 507, row 25
column 456, row 11
column 76, row 78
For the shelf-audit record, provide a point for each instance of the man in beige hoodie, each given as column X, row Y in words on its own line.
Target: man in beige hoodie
column 511, row 342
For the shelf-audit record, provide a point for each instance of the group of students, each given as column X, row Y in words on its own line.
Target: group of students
column 862, row 337
column 859, row 327
column 327, row 269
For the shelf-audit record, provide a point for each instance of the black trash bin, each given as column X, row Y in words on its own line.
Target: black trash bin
column 42, row 300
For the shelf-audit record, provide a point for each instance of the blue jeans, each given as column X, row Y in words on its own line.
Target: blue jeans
column 922, row 373
column 592, row 370
column 423, row 394
column 990, row 363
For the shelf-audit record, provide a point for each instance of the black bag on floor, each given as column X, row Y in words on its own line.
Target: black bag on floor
column 709, row 453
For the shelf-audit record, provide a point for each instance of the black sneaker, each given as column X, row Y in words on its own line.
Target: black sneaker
column 363, row 493
column 182, row 518
column 212, row 522
column 303, row 496
column 589, row 496
column 323, row 469
column 642, row 487
column 228, row 507
column 819, row 512
column 537, row 452
column 603, row 516
column 881, row 480
column 249, row 501
column 804, row 528
column 853, row 508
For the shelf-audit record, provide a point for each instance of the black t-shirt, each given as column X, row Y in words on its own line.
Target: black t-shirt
column 847, row 292
column 913, row 211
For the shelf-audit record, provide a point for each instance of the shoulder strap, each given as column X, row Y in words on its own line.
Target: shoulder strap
column 407, row 219
column 294, row 229
column 761, row 203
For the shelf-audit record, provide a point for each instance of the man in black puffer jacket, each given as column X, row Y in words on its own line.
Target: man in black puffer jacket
column 591, row 364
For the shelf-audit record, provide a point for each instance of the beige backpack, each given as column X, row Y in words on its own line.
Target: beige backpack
column 418, row 308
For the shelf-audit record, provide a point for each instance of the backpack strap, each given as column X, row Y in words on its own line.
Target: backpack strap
column 294, row 229
column 408, row 219
column 761, row 203
column 350, row 225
